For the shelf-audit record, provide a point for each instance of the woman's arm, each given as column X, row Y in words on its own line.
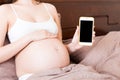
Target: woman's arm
column 10, row 50
column 74, row 44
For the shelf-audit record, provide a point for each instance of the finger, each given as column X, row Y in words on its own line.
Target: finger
column 52, row 35
column 93, row 32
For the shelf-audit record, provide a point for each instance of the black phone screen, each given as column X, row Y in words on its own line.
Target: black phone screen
column 86, row 31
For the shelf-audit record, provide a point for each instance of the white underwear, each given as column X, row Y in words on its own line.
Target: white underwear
column 24, row 77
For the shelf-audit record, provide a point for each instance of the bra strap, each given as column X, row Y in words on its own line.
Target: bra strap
column 47, row 9
column 14, row 10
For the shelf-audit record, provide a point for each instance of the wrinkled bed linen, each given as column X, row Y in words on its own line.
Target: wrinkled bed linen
column 105, row 56
column 72, row 72
column 101, row 63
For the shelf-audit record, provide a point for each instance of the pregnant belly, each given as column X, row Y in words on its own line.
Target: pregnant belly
column 40, row 56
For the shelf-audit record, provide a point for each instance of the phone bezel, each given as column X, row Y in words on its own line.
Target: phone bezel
column 86, row 19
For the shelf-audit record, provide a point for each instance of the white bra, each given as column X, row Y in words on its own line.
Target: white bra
column 22, row 27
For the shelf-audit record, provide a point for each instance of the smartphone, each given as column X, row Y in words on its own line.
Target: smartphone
column 86, row 25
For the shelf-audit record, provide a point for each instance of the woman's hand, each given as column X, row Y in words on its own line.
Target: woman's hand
column 40, row 35
column 75, row 41
column 74, row 45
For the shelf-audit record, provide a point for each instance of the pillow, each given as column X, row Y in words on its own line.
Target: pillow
column 79, row 54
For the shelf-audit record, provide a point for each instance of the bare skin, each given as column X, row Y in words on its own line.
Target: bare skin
column 30, row 51
column 39, row 51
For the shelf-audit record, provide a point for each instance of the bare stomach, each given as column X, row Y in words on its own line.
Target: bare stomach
column 40, row 56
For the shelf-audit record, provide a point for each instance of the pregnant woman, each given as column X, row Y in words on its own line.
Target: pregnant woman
column 34, row 33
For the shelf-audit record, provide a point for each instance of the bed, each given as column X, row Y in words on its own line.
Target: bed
column 105, row 12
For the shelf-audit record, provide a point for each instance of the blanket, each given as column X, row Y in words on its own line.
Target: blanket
column 101, row 63
column 71, row 72
column 105, row 56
